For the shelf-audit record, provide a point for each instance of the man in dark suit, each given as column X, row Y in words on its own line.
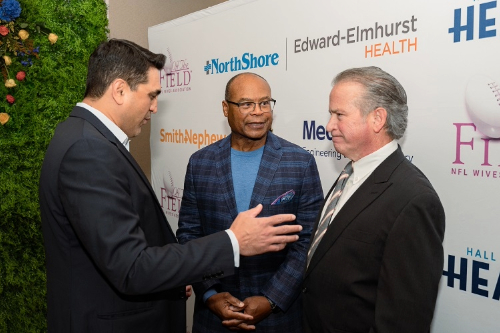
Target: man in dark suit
column 112, row 261
column 376, row 265
column 251, row 166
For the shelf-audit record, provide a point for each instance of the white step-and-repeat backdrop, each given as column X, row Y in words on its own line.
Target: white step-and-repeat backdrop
column 445, row 53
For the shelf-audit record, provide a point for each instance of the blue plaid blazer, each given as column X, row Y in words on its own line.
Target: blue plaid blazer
column 209, row 205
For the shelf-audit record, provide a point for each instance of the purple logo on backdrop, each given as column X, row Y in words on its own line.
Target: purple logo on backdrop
column 175, row 76
column 482, row 102
column 171, row 196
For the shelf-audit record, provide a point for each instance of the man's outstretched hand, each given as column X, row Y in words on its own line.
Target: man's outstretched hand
column 257, row 235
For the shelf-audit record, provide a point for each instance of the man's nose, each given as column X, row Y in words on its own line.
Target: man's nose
column 257, row 109
column 332, row 123
column 154, row 106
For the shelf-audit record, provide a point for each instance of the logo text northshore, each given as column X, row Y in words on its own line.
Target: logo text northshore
column 245, row 62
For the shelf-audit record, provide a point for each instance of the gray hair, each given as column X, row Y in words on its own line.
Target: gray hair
column 381, row 90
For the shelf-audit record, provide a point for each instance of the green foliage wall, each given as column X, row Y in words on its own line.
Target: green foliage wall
column 54, row 83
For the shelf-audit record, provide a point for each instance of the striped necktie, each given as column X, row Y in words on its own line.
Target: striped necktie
column 332, row 202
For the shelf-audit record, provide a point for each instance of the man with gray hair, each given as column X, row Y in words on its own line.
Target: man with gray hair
column 376, row 253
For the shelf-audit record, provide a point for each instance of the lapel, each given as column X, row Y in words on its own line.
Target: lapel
column 270, row 157
column 268, row 165
column 83, row 113
column 224, row 175
column 370, row 190
column 323, row 207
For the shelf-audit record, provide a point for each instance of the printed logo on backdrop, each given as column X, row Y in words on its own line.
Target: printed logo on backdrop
column 171, row 196
column 188, row 137
column 175, row 77
column 477, row 151
column 477, row 144
column 474, row 22
column 378, row 38
column 474, row 271
column 243, row 62
column 313, row 134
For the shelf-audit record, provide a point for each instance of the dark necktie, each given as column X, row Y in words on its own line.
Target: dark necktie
column 332, row 203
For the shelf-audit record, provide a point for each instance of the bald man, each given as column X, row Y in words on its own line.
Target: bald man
column 251, row 166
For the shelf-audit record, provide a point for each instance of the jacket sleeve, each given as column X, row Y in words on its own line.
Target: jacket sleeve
column 411, row 268
column 105, row 212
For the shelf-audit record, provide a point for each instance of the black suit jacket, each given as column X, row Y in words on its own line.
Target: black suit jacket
column 378, row 267
column 113, row 264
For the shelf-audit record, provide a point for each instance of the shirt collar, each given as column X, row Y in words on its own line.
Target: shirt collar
column 365, row 166
column 120, row 135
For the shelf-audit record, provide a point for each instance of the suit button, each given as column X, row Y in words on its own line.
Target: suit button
column 304, row 290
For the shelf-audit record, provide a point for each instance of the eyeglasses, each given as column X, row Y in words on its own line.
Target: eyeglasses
column 247, row 107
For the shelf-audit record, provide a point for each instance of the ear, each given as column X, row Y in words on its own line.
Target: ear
column 379, row 118
column 225, row 108
column 118, row 89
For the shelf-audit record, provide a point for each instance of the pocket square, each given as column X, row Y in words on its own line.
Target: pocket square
column 284, row 198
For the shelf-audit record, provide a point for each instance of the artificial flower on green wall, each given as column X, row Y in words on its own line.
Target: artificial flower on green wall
column 17, row 50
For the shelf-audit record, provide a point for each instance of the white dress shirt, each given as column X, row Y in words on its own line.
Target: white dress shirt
column 123, row 138
column 361, row 170
column 120, row 135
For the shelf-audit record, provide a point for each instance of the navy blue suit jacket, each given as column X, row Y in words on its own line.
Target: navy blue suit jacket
column 209, row 206
column 112, row 261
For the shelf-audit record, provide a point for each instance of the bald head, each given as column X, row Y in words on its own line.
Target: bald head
column 231, row 83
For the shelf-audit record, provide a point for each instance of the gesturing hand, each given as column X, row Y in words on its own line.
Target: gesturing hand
column 258, row 235
column 228, row 308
